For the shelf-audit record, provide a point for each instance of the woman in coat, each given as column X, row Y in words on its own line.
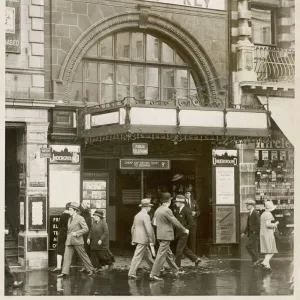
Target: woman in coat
column 61, row 239
column 267, row 238
column 98, row 239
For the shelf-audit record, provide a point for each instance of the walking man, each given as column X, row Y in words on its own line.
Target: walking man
column 194, row 207
column 252, row 230
column 165, row 220
column 184, row 216
column 77, row 227
column 142, row 236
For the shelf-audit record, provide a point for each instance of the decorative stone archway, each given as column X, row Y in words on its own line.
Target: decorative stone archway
column 151, row 23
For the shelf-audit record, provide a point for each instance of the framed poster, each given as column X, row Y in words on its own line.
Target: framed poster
column 225, row 185
column 37, row 213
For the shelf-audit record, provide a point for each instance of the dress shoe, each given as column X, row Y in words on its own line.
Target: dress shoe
column 133, row 277
column 197, row 262
column 83, row 270
column 91, row 273
column 256, row 263
column 155, row 278
column 98, row 270
column 62, row 275
column 17, row 284
column 56, row 270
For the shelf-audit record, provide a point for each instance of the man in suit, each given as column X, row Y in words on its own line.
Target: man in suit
column 184, row 216
column 253, row 231
column 194, row 207
column 77, row 227
column 142, row 234
column 164, row 221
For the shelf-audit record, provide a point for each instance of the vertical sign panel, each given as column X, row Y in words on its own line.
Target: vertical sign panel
column 12, row 26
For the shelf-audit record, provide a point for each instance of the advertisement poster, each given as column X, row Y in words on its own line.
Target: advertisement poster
column 225, row 185
column 274, row 155
column 265, row 155
column 53, row 234
column 225, row 225
column 12, row 26
column 65, row 154
column 94, row 193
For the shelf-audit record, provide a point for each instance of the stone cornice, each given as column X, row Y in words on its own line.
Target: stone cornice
column 32, row 103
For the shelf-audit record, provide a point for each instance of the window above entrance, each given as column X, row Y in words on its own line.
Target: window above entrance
column 136, row 65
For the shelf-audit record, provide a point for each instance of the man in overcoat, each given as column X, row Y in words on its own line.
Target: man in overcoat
column 142, row 236
column 164, row 221
column 184, row 216
column 252, row 230
column 77, row 227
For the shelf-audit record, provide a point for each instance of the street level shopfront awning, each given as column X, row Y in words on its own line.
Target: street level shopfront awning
column 158, row 120
column 283, row 113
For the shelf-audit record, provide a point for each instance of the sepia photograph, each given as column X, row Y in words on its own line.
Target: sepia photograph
column 149, row 147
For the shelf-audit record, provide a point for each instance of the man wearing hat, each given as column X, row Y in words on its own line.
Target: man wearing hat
column 252, row 230
column 194, row 207
column 184, row 216
column 165, row 220
column 142, row 236
column 98, row 239
column 77, row 227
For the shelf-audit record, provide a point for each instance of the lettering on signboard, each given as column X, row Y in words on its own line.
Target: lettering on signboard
column 224, row 157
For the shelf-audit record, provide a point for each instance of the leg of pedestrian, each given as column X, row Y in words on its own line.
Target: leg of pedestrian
column 148, row 257
column 162, row 253
column 95, row 260
column 171, row 262
column 69, row 251
column 85, row 259
column 181, row 243
column 251, row 246
column 137, row 259
column 190, row 255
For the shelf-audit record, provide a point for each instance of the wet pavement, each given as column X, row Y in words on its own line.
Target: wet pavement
column 215, row 277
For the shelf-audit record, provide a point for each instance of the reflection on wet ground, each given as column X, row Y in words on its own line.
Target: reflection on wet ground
column 230, row 277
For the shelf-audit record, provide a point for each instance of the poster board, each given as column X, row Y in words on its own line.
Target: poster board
column 225, row 224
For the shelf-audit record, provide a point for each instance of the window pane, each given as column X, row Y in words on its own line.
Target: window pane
column 181, row 93
column 75, row 93
column 123, row 74
column 138, row 76
column 139, row 92
column 182, row 79
column 152, row 48
column 152, row 94
column 93, row 51
column 137, row 46
column 179, row 60
column 91, row 92
column 261, row 26
column 192, row 83
column 107, row 73
column 168, row 94
column 167, row 53
column 91, row 72
column 123, row 45
column 168, row 77
column 106, row 47
column 122, row 92
column 107, row 93
column 152, row 76
column 78, row 73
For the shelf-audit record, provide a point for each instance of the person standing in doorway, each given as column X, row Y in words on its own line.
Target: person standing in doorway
column 143, row 237
column 77, row 227
column 194, row 207
column 98, row 238
column 252, row 230
column 184, row 216
column 61, row 239
column 165, row 221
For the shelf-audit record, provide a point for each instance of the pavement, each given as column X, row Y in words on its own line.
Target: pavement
column 211, row 277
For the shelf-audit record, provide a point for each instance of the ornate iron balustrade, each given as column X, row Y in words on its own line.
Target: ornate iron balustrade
column 274, row 64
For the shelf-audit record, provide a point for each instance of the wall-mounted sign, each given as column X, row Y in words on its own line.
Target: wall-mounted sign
column 37, row 213
column 22, row 212
column 139, row 148
column 145, row 164
column 65, row 154
column 46, row 152
column 12, row 26
column 36, row 190
column 212, row 4
column 53, row 232
column 225, row 185
column 225, row 225
column 224, row 157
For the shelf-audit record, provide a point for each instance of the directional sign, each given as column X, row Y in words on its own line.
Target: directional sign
column 145, row 164
column 139, row 148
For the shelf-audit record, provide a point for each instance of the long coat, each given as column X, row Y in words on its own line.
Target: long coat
column 253, row 223
column 267, row 239
column 185, row 218
column 76, row 224
column 142, row 231
column 193, row 206
column 63, row 228
column 99, row 231
column 165, row 221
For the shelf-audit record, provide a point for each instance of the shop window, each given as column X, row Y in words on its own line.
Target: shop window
column 262, row 26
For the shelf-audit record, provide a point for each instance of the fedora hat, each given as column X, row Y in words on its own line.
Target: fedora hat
column 99, row 213
column 165, row 197
column 146, row 202
column 269, row 205
column 74, row 205
column 250, row 202
column 180, row 198
column 176, row 177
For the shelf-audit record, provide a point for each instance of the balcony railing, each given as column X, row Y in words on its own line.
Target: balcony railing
column 274, row 64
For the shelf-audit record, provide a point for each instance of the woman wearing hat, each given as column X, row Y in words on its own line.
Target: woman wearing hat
column 98, row 239
column 267, row 238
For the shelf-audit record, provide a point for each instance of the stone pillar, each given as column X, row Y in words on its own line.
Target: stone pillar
column 247, row 185
column 34, row 238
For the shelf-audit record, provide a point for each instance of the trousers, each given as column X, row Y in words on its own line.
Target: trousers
column 182, row 248
column 69, row 251
column 252, row 246
column 141, row 252
column 164, row 254
column 192, row 239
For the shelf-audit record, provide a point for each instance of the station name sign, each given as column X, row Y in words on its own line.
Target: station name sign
column 65, row 154
column 224, row 157
column 145, row 164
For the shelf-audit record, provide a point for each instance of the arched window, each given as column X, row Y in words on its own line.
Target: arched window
column 132, row 64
